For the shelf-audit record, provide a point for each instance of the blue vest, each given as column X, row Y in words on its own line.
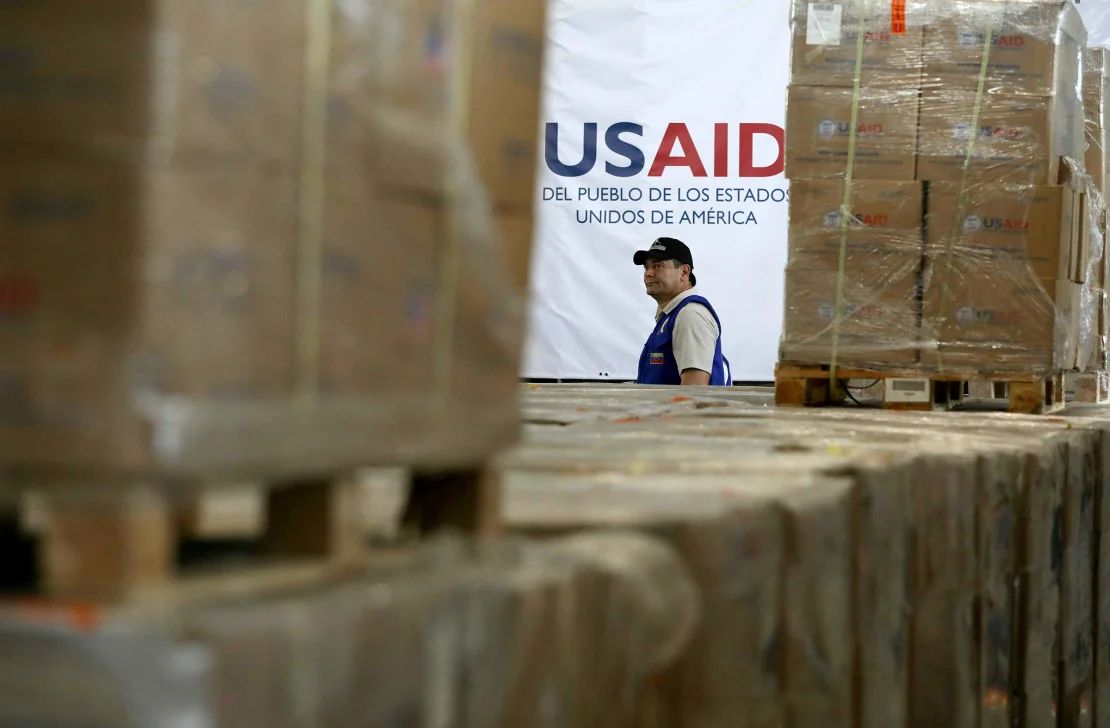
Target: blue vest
column 657, row 362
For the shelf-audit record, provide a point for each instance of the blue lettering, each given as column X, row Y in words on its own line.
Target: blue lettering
column 589, row 152
column 630, row 151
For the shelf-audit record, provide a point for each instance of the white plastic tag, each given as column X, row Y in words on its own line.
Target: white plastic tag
column 908, row 391
column 823, row 24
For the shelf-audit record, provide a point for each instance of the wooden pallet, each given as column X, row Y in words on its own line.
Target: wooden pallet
column 801, row 385
column 114, row 542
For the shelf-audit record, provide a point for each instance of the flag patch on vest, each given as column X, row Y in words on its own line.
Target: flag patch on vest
column 656, row 359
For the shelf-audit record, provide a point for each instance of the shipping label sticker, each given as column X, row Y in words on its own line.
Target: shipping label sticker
column 823, row 24
column 897, row 17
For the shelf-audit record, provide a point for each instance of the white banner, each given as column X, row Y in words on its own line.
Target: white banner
column 663, row 118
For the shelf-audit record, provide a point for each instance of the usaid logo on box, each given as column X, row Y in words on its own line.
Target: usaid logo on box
column 829, row 128
column 969, row 38
column 962, row 132
column 974, row 223
column 827, row 311
column 856, row 219
column 968, row 315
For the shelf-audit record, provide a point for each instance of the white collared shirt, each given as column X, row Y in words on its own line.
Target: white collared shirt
column 694, row 338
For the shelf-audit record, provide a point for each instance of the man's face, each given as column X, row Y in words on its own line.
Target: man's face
column 663, row 280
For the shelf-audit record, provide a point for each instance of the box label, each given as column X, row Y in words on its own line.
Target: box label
column 898, row 17
column 823, row 24
column 916, row 391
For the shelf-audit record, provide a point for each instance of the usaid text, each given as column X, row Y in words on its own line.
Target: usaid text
column 731, row 153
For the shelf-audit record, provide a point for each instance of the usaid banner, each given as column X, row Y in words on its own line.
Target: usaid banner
column 661, row 118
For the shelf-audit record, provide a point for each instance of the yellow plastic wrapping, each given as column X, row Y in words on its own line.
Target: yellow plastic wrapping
column 259, row 237
column 943, row 218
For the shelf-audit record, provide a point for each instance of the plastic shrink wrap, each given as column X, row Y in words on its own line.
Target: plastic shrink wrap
column 946, row 209
column 259, row 237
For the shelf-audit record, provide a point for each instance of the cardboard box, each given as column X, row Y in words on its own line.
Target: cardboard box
column 517, row 230
column 823, row 48
column 132, row 292
column 166, row 306
column 506, row 85
column 1019, row 140
column 1036, row 47
column 1084, row 264
column 398, row 347
column 217, row 79
column 173, row 81
column 1005, row 224
column 125, row 305
column 1007, row 321
column 1096, row 92
column 878, row 326
column 885, row 228
column 818, row 128
column 422, row 118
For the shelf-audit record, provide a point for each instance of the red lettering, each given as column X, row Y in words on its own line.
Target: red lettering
column 689, row 157
column 747, row 147
column 720, row 150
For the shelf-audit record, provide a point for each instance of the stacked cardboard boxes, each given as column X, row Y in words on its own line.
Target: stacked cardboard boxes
column 217, row 212
column 505, row 121
column 994, row 272
column 1002, row 263
column 1026, row 57
column 1096, row 91
column 496, row 106
column 1000, row 111
column 863, row 304
column 880, row 270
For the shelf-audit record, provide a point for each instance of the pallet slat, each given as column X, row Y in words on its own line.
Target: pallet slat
column 798, row 385
column 111, row 543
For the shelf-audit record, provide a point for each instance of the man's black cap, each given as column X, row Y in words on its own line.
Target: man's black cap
column 667, row 249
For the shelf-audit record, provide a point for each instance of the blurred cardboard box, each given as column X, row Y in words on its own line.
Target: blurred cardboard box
column 517, row 230
column 183, row 81
column 135, row 292
column 885, row 222
column 384, row 306
column 173, row 80
column 167, row 291
column 825, row 39
column 494, row 109
column 818, row 127
column 122, row 298
column 1035, row 46
column 878, row 324
column 506, row 87
column 1018, row 140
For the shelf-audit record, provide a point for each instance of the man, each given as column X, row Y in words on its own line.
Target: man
column 685, row 345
